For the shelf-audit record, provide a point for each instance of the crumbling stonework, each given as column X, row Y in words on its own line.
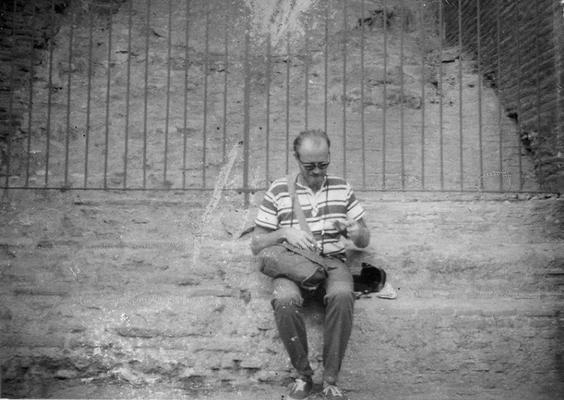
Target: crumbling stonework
column 27, row 41
column 520, row 45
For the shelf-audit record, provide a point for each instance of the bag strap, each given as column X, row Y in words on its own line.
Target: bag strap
column 296, row 206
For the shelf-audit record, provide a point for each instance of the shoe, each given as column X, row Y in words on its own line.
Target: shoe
column 300, row 389
column 332, row 392
column 387, row 292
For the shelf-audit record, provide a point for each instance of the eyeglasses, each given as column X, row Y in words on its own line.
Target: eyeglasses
column 310, row 166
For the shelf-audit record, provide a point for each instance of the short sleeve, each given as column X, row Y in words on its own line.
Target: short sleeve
column 267, row 216
column 354, row 210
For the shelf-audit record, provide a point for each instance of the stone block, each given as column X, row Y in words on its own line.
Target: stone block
column 5, row 313
column 65, row 374
column 137, row 332
column 125, row 373
column 253, row 363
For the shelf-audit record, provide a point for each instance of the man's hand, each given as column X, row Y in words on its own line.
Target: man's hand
column 300, row 238
column 353, row 229
column 263, row 238
column 356, row 231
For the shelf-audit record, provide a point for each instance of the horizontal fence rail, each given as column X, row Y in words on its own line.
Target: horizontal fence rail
column 166, row 94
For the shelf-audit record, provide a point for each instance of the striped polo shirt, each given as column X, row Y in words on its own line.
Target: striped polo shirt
column 335, row 201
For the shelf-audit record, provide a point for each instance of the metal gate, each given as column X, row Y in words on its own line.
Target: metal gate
column 196, row 94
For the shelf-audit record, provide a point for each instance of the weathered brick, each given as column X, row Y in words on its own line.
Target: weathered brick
column 530, row 44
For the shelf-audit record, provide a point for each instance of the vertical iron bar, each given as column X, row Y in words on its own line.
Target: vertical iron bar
column 362, row 122
column 88, row 97
column 460, row 98
column 11, row 118
column 384, row 92
column 68, row 111
column 206, row 69
column 246, row 112
column 326, row 65
column 402, row 95
column 480, row 81
column 517, row 34
column 500, row 93
column 557, row 139
column 226, row 69
column 306, row 71
column 30, row 95
column 538, row 83
column 108, row 85
column 288, row 61
column 185, row 111
column 127, row 93
column 167, row 111
column 345, row 89
column 441, row 150
column 146, row 92
column 268, row 74
column 422, row 26
column 49, row 98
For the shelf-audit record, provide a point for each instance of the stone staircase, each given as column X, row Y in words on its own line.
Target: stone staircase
column 156, row 294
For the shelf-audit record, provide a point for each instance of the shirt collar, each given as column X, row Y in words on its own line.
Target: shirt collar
column 323, row 184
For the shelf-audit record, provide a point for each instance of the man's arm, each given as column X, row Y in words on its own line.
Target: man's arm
column 263, row 238
column 359, row 233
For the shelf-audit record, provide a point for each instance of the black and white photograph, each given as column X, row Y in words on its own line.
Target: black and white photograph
column 282, row 199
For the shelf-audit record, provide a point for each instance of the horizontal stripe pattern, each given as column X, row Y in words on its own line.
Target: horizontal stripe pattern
column 335, row 201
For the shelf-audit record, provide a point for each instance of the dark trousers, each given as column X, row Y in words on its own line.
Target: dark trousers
column 338, row 299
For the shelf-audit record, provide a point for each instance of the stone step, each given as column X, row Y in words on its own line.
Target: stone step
column 483, row 343
column 157, row 292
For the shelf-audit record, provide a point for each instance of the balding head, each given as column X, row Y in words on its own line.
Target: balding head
column 311, row 138
column 311, row 150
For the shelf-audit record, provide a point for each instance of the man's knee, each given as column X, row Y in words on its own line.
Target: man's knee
column 285, row 294
column 283, row 302
column 342, row 294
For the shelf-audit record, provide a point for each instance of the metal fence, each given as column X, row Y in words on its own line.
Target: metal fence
column 196, row 95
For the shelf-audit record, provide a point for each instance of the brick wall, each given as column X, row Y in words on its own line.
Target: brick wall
column 25, row 30
column 521, row 52
column 559, row 37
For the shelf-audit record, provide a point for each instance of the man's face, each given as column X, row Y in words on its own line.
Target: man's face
column 313, row 160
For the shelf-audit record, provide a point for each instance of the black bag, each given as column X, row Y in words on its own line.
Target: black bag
column 371, row 279
column 304, row 267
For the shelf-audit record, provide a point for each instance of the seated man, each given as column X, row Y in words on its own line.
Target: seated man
column 330, row 209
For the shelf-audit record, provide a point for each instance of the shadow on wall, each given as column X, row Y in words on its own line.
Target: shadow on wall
column 521, row 37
